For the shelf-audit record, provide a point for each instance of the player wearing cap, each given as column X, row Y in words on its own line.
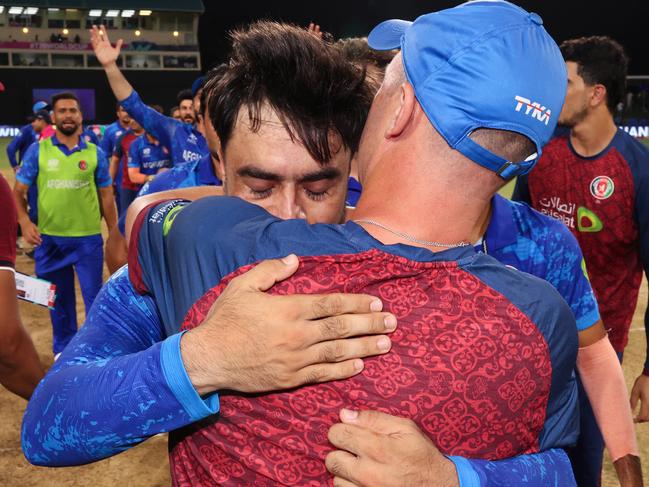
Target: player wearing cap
column 20, row 367
column 73, row 192
column 183, row 141
column 592, row 178
column 413, row 122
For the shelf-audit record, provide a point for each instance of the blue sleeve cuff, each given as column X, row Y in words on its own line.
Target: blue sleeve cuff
column 588, row 320
column 180, row 384
column 466, row 474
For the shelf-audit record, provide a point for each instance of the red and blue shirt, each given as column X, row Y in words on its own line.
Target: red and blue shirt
column 482, row 360
column 604, row 202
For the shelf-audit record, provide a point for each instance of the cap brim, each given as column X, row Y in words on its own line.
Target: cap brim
column 387, row 35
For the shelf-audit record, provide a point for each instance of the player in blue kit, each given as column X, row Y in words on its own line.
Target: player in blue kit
column 112, row 133
column 126, row 369
column 184, row 142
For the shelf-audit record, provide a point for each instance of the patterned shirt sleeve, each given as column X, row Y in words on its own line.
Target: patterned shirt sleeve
column 566, row 271
column 546, row 469
column 157, row 124
column 29, row 168
column 118, row 382
column 102, row 174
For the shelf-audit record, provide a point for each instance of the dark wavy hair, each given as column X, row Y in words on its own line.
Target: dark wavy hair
column 601, row 60
column 307, row 82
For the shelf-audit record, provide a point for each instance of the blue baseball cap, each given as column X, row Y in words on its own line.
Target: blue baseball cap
column 40, row 105
column 483, row 64
column 197, row 85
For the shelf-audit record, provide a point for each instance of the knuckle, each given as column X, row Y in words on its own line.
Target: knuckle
column 315, row 375
column 334, row 326
column 334, row 466
column 333, row 352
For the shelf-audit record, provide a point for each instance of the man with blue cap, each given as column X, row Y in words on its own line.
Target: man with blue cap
column 468, row 104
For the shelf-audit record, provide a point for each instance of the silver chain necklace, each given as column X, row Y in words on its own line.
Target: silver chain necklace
column 410, row 238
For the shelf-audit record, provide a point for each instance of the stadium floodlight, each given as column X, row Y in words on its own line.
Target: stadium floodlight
column 66, row 32
column 53, row 9
column 25, row 30
column 112, row 13
column 95, row 13
column 176, row 33
column 15, row 10
column 2, row 9
column 30, row 10
column 138, row 33
column 144, row 13
column 128, row 13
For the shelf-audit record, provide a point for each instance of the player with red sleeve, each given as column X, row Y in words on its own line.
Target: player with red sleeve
column 20, row 368
column 595, row 179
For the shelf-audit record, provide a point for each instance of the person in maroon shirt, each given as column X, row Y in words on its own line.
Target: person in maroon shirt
column 594, row 178
column 20, row 368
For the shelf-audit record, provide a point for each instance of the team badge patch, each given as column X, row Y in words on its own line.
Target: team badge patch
column 602, row 187
column 83, row 165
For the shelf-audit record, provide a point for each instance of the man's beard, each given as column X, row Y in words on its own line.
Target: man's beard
column 68, row 130
column 574, row 119
column 188, row 119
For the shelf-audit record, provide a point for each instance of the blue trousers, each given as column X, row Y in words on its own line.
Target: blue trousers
column 56, row 260
column 587, row 455
column 126, row 198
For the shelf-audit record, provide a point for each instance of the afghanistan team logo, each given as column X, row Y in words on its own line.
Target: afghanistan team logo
column 602, row 187
column 83, row 165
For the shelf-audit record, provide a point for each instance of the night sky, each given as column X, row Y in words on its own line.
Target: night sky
column 625, row 20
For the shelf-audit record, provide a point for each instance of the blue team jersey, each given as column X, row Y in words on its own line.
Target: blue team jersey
column 199, row 173
column 182, row 140
column 149, row 157
column 111, row 134
column 20, row 144
column 529, row 241
column 228, row 235
column 90, row 136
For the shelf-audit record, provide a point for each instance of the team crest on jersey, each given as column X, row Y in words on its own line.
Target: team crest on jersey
column 146, row 151
column 83, row 165
column 53, row 164
column 602, row 187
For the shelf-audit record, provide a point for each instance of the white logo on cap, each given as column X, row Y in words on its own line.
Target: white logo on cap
column 537, row 110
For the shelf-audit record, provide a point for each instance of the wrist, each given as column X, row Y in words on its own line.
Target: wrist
column 202, row 370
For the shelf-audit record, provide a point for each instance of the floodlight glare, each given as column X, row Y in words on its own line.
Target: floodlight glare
column 25, row 30
column 95, row 13
column 2, row 9
column 144, row 13
column 15, row 10
column 112, row 13
column 128, row 13
column 30, row 11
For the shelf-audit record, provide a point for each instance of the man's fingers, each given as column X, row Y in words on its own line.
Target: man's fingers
column 346, row 349
column 354, row 439
column 342, row 465
column 266, row 273
column 316, row 306
column 375, row 421
column 313, row 374
column 643, row 416
column 635, row 395
column 349, row 325
column 119, row 43
column 341, row 482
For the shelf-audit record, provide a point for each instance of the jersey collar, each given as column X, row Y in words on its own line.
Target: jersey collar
column 501, row 231
column 64, row 148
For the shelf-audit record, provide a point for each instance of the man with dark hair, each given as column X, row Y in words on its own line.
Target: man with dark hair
column 185, row 101
column 274, row 163
column 74, row 191
column 182, row 140
column 113, row 132
column 595, row 179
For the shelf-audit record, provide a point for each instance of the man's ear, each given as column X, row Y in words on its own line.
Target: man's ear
column 404, row 111
column 598, row 95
